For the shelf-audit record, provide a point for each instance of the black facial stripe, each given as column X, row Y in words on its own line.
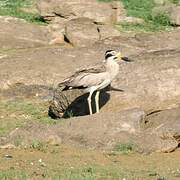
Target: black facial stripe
column 108, row 55
column 108, row 51
column 115, row 57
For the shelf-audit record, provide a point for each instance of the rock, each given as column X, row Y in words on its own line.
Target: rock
column 120, row 11
column 84, row 32
column 57, row 38
column 33, row 132
column 66, row 104
column 81, row 32
column 175, row 15
column 131, row 20
column 106, row 31
column 102, row 130
column 54, row 140
column 172, row 10
column 100, row 12
column 165, row 128
column 16, row 33
column 62, row 14
column 45, row 8
column 61, row 103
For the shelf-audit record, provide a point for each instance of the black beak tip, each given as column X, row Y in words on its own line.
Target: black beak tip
column 126, row 59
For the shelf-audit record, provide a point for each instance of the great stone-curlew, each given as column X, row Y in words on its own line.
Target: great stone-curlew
column 94, row 79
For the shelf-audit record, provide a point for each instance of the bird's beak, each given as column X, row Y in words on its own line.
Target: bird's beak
column 120, row 57
column 126, row 59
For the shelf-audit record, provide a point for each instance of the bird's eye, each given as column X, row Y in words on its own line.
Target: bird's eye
column 113, row 52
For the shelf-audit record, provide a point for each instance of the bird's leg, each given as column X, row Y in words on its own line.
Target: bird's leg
column 97, row 101
column 89, row 102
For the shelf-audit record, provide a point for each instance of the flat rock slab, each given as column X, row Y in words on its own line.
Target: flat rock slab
column 158, row 132
column 101, row 131
column 17, row 34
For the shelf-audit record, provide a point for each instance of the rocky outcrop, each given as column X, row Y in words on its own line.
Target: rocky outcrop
column 84, row 32
column 104, row 13
column 81, row 32
column 156, row 132
column 159, row 131
column 154, row 74
column 81, row 21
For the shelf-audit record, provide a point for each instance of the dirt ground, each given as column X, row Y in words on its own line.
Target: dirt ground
column 64, row 162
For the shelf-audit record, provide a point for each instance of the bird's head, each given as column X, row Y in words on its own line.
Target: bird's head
column 115, row 56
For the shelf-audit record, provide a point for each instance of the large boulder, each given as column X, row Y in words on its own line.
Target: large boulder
column 16, row 33
column 105, row 13
column 156, row 132
column 159, row 131
column 84, row 32
column 81, row 21
column 102, row 131
column 81, row 32
column 164, row 129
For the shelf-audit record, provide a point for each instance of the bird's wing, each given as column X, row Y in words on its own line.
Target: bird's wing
column 86, row 77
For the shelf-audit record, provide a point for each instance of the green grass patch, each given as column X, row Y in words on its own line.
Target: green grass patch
column 39, row 145
column 124, row 148
column 14, row 8
column 16, row 114
column 83, row 173
column 36, row 111
column 13, row 174
column 175, row 1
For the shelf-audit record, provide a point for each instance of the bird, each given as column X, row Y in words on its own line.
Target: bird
column 94, row 79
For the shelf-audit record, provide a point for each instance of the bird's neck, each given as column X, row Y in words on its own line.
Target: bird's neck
column 112, row 67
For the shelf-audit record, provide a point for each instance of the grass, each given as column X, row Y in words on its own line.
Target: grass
column 143, row 9
column 175, row 1
column 14, row 8
column 82, row 173
column 38, row 145
column 124, row 148
column 16, row 114
column 36, row 111
column 13, row 174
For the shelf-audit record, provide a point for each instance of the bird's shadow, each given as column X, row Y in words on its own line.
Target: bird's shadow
column 79, row 107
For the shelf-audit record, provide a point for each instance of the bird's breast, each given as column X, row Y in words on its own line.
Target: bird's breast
column 113, row 69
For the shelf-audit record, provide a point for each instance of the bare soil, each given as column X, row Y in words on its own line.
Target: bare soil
column 64, row 162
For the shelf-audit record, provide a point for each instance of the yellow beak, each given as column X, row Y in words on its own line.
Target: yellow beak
column 119, row 55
